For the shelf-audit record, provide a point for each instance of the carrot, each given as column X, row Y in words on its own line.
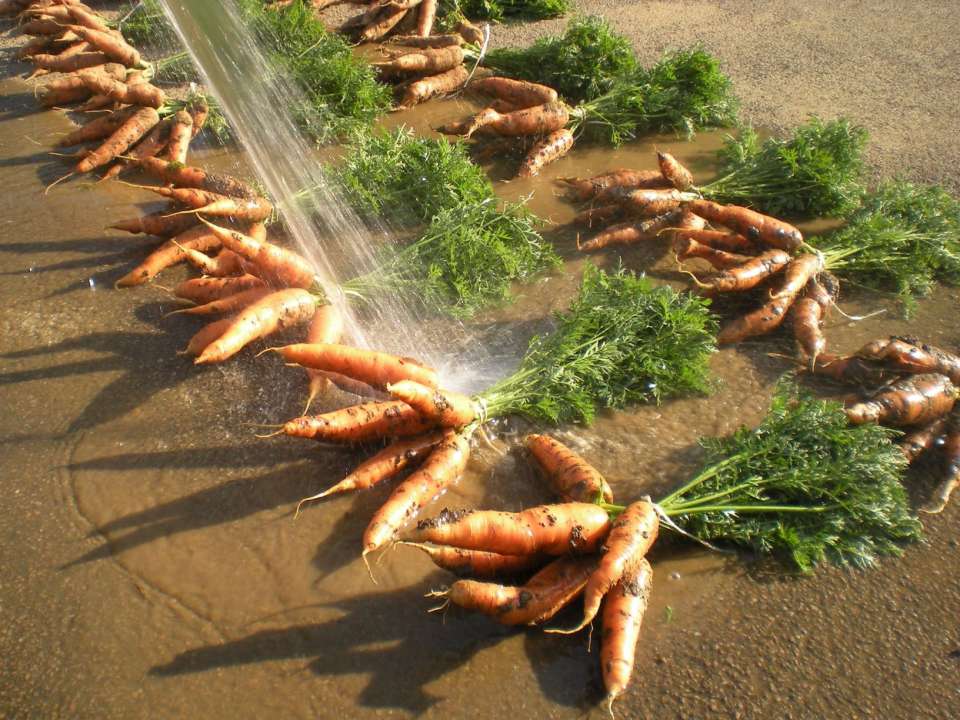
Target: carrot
column 476, row 563
column 596, row 215
column 199, row 112
column 915, row 400
column 82, row 16
column 67, row 62
column 536, row 120
column 750, row 274
column 135, row 127
column 444, row 407
column 114, row 46
column 806, row 314
column 194, row 177
column 277, row 265
column 389, row 17
column 798, row 273
column 731, row 242
column 586, row 188
column 518, row 93
column 428, row 61
column 720, row 259
column 951, row 450
column 631, row 232
column 426, row 16
column 433, row 86
column 551, row 529
column 535, row 602
column 384, row 465
column 158, row 223
column 631, row 537
column 96, row 129
column 228, row 304
column 762, row 320
column 207, row 289
column 97, row 102
column 910, row 355
column 374, row 368
column 140, row 94
column 181, row 132
column 552, row 147
column 326, row 326
column 649, row 203
column 277, row 311
column 74, row 81
column 41, row 26
column 917, row 442
column 571, row 477
column 360, row 423
column 57, row 97
column 253, row 210
column 192, row 197
column 850, row 369
column 226, row 263
column 40, row 44
column 349, row 385
column 622, row 615
column 441, row 469
column 206, row 335
column 674, row 172
column 751, row 224
column 197, row 239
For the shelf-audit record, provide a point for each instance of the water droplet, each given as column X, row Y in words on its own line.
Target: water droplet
column 93, row 284
column 675, row 575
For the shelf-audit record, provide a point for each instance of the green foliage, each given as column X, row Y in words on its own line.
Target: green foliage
column 581, row 65
column 622, row 341
column 684, row 92
column 145, row 23
column 805, row 485
column 342, row 93
column 500, row 10
column 901, row 239
column 815, row 172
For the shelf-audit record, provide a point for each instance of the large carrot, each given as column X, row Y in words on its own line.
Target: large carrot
column 536, row 120
column 195, row 177
column 360, row 423
column 797, row 273
column 277, row 265
column 674, row 172
column 428, row 61
column 750, row 274
column 82, row 16
column 806, row 314
column 252, row 210
column 550, row 148
column 74, row 81
column 375, row 368
column 139, row 94
column 207, row 289
column 224, row 264
column 476, row 563
column 915, row 400
column 439, row 471
column 426, row 16
column 631, row 232
column 751, row 224
column 622, row 615
column 158, row 223
column 598, row 215
column 728, row 241
column 550, row 529
column 850, row 369
column 434, row 86
column 134, row 128
column 110, row 44
column 518, row 93
column 586, row 188
column 152, row 144
column 197, row 238
column 910, row 355
column 191, row 197
column 427, row 41
column 444, row 407
column 570, row 476
column 282, row 309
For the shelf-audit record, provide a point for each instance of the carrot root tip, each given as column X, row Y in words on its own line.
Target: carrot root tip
column 366, row 562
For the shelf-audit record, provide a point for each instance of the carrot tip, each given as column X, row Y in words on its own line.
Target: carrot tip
column 270, row 435
column 274, row 348
column 566, row 631
column 57, row 182
column 366, row 562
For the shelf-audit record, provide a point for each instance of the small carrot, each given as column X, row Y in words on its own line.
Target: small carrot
column 181, row 132
column 82, row 16
column 134, row 128
column 917, row 442
column 631, row 232
column 427, row 41
column 434, row 86
column 228, row 304
column 360, row 423
column 384, row 465
column 444, row 407
column 586, row 188
column 650, row 203
column 197, row 239
column 58, row 97
column 206, row 335
column 911, row 355
column 199, row 112
column 207, row 289
column 545, row 151
column 915, row 400
column 158, row 223
column 224, row 264
column 754, row 226
column 551, row 529
column 96, row 129
column 519, row 93
column 428, row 61
column 109, row 43
column 951, row 451
column 476, row 563
column 326, row 326
column 151, row 145
column 277, row 265
column 674, row 172
column 750, row 274
column 252, row 210
column 806, row 314
column 598, row 215
column 441, row 469
column 195, row 177
column 375, row 368
column 730, row 242
column 570, row 476
column 623, row 613
column 426, row 16
column 720, row 259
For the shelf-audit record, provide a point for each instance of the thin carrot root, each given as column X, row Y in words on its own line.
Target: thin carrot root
column 366, row 562
column 273, row 434
column 49, row 187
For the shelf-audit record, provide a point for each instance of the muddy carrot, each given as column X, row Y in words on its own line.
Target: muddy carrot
column 551, row 529
column 476, row 563
column 146, row 149
column 360, row 423
column 752, row 225
column 274, row 312
column 134, row 128
column 224, row 264
column 228, row 304
column 181, row 132
column 720, row 259
column 622, row 615
column 545, row 151
column 631, row 232
column 109, row 43
column 797, row 273
column 441, row 469
column 170, row 253
column 434, row 86
column 199, row 112
column 76, row 80
column 97, row 129
column 598, row 215
column 139, row 94
column 41, row 26
column 158, row 223
column 674, row 172
column 910, row 355
column 917, row 442
column 206, row 335
column 536, row 120
column 82, row 16
column 806, row 314
column 951, row 452
column 426, row 16
column 195, row 177
column 429, row 61
column 389, row 17
column 192, row 197
column 586, row 188
column 570, row 476
column 70, row 62
column 65, row 96
column 277, row 265
column 428, row 41
column 518, row 93
column 730, row 242
column 444, row 407
column 649, row 203
column 850, row 369
column 386, row 464
column 750, row 274
column 915, row 400
column 207, row 289
column 375, row 368
column 762, row 320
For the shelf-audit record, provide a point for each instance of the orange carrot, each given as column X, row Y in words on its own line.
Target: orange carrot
column 224, row 264
column 551, row 529
column 586, row 188
column 677, row 174
column 325, row 327
column 378, row 369
column 349, row 385
column 428, row 41
column 915, row 400
column 386, row 21
column 720, row 259
column 570, row 476
column 152, row 143
column 766, row 318
column 139, row 94
column 360, row 423
column 81, row 16
column 170, row 253
column 191, row 197
column 206, row 335
column 135, row 127
column 519, row 93
column 910, row 355
column 649, row 203
column 228, row 304
column 277, row 265
column 444, row 407
column 199, row 112
column 434, row 86
column 428, row 61
column 750, row 274
column 552, row 147
column 109, row 43
column 41, row 26
column 850, row 369
column 74, row 81
column 426, row 16
column 631, row 537
column 917, row 442
column 797, row 273
column 158, row 223
column 97, row 129
column 58, row 97
column 536, row 120
column 806, row 314
column 68, row 62
column 631, row 232
column 752, row 225
column 253, row 210
column 181, row 132
column 476, row 563
column 442, row 468
column 386, row 464
column 207, row 289
column 731, row 242
column 194, row 177
column 622, row 615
